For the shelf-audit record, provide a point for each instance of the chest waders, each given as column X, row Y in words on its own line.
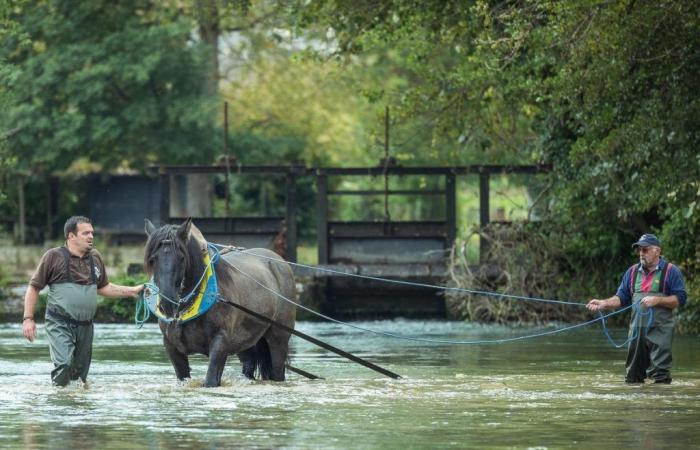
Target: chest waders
column 649, row 354
column 69, row 313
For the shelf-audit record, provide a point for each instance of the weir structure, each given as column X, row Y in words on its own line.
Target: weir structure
column 409, row 250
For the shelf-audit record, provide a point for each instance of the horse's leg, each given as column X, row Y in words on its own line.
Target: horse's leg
column 180, row 362
column 247, row 359
column 278, row 343
column 217, row 360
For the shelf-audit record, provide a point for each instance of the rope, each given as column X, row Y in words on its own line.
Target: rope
column 153, row 289
column 433, row 341
column 635, row 329
column 409, row 283
column 142, row 312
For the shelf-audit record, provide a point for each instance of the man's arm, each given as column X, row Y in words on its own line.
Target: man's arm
column 28, row 324
column 613, row 302
column 119, row 291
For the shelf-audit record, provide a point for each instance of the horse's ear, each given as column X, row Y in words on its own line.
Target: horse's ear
column 183, row 231
column 149, row 228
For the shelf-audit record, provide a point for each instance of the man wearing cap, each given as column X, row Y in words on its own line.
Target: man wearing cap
column 75, row 275
column 655, row 288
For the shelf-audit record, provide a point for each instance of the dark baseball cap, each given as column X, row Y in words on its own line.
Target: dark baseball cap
column 646, row 240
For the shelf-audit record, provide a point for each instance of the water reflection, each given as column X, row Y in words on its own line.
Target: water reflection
column 552, row 392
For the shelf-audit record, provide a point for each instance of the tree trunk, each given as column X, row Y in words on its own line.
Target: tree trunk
column 209, row 31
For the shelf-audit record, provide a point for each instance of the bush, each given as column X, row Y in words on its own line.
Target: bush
column 530, row 260
column 688, row 318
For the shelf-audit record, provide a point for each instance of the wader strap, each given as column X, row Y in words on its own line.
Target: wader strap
column 59, row 316
column 633, row 277
column 662, row 282
column 93, row 278
column 66, row 257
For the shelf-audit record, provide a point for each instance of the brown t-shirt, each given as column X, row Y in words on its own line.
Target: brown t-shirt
column 52, row 269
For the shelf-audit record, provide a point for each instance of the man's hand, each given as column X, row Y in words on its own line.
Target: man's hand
column 650, row 301
column 137, row 290
column 29, row 329
column 596, row 305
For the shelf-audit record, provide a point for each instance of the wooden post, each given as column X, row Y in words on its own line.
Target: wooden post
column 484, row 217
column 164, row 205
column 322, row 217
column 228, row 162
column 451, row 209
column 52, row 187
column 22, row 213
column 291, row 217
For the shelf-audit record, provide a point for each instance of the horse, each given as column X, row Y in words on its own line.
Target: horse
column 178, row 258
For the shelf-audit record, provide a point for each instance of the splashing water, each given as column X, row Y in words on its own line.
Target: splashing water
column 556, row 391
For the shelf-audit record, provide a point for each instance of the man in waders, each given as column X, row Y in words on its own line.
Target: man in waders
column 75, row 274
column 655, row 288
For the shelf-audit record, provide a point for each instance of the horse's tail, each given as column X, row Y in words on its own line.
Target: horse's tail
column 263, row 359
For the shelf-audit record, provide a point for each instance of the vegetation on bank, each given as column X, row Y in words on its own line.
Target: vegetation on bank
column 605, row 92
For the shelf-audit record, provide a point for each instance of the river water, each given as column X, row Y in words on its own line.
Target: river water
column 560, row 391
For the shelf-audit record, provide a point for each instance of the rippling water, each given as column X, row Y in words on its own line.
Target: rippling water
column 559, row 391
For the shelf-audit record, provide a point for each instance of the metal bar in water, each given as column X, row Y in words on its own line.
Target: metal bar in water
column 303, row 373
column 313, row 340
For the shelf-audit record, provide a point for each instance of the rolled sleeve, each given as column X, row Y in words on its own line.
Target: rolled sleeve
column 675, row 285
column 42, row 275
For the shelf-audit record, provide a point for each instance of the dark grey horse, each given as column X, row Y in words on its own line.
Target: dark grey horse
column 174, row 256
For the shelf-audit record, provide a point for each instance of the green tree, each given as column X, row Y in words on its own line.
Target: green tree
column 605, row 91
column 115, row 84
column 451, row 106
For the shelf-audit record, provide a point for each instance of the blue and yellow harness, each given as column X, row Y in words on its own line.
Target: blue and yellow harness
column 205, row 294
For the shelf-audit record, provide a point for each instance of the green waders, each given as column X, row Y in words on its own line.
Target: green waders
column 649, row 355
column 69, row 313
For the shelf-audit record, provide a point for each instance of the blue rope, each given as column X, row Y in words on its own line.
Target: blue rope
column 433, row 341
column 410, row 283
column 142, row 313
column 635, row 328
column 141, row 304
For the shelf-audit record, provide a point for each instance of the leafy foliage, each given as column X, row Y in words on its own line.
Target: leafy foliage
column 117, row 84
column 603, row 91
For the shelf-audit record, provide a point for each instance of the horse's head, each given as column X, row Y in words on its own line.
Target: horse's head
column 174, row 258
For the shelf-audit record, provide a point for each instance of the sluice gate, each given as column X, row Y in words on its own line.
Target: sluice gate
column 390, row 244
